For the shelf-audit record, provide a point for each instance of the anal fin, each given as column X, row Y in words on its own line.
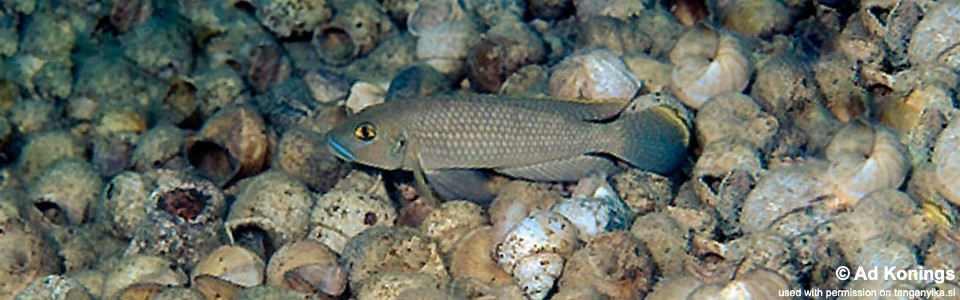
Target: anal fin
column 569, row 169
column 467, row 184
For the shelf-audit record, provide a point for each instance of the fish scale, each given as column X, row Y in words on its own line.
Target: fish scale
column 497, row 136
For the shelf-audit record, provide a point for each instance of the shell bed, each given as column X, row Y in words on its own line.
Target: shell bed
column 178, row 149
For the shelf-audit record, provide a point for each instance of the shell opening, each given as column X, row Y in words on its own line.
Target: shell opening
column 336, row 45
column 183, row 203
column 254, row 238
column 212, row 161
column 51, row 212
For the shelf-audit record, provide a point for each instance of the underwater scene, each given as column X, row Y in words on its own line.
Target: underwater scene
column 479, row 149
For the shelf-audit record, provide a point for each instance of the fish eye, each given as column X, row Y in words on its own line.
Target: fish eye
column 365, row 132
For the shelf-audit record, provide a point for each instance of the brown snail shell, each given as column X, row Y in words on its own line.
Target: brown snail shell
column 307, row 266
column 233, row 264
column 354, row 31
column 471, row 257
column 234, row 142
column 616, row 264
column 272, row 203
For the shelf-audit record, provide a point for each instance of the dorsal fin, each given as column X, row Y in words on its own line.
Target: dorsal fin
column 587, row 110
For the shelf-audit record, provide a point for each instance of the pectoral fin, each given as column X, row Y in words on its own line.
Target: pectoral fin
column 473, row 185
column 571, row 169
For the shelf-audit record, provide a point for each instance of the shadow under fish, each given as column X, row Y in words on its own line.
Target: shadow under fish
column 453, row 142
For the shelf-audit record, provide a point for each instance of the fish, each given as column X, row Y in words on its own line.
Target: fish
column 454, row 139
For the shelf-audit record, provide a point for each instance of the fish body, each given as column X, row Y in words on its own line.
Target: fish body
column 530, row 138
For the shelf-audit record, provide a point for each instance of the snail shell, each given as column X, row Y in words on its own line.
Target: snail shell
column 534, row 251
column 708, row 63
column 232, row 143
column 234, row 264
column 936, row 34
column 593, row 74
column 307, row 266
column 864, row 158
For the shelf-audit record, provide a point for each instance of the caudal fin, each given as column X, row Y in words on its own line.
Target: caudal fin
column 654, row 139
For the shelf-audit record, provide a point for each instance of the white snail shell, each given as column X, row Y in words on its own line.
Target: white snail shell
column 708, row 63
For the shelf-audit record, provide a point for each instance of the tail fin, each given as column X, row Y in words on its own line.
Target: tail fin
column 654, row 139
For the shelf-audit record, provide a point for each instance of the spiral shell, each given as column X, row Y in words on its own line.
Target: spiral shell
column 25, row 255
column 354, row 31
column 780, row 193
column 274, row 203
column 723, row 176
column 445, row 46
column 344, row 212
column 451, row 221
column 535, row 250
column 593, row 74
column 233, row 264
column 307, row 266
column 708, row 63
column 616, row 264
column 865, row 158
column 594, row 208
column 936, row 34
column 735, row 115
column 390, row 250
column 71, row 186
column 433, row 13
column 757, row 17
column 232, row 143
column 471, row 258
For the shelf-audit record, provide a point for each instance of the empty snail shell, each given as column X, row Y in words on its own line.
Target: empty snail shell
column 936, row 34
column 384, row 250
column 617, row 264
column 708, row 63
column 865, row 158
column 535, row 250
column 452, row 220
column 232, row 143
column 234, row 264
column 272, row 203
column 470, row 257
column 593, row 74
column 307, row 266
column 735, row 115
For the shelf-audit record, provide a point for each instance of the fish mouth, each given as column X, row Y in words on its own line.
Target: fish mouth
column 340, row 150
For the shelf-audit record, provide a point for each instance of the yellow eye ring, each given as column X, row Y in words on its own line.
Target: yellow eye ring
column 365, row 132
